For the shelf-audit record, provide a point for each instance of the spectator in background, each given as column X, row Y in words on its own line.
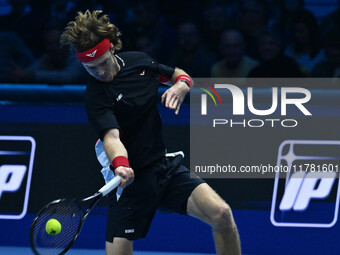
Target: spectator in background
column 27, row 19
column 145, row 44
column 215, row 23
column 63, row 10
column 13, row 51
column 148, row 22
column 90, row 4
column 235, row 63
column 119, row 11
column 253, row 22
column 331, row 22
column 273, row 62
column 189, row 55
column 306, row 47
column 330, row 67
column 56, row 66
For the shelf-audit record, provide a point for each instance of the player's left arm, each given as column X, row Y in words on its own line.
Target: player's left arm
column 174, row 96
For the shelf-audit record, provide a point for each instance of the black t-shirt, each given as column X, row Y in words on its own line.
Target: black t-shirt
column 129, row 103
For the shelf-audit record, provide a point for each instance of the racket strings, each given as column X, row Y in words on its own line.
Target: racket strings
column 69, row 215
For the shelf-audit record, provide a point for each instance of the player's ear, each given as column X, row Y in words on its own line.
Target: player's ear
column 112, row 48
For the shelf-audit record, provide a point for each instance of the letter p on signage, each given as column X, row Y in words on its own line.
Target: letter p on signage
column 11, row 177
column 302, row 188
column 16, row 168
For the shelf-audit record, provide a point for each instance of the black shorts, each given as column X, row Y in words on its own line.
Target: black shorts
column 165, row 185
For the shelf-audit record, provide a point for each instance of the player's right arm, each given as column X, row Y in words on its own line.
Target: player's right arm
column 100, row 115
column 116, row 152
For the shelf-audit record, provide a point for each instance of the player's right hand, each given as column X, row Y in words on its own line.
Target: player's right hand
column 127, row 175
column 174, row 96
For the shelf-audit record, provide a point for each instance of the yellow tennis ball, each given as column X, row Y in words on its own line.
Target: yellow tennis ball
column 53, row 227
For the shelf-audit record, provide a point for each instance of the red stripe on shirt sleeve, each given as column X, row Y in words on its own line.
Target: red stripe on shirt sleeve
column 163, row 79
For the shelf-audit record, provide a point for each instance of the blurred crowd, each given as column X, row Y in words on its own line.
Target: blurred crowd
column 230, row 38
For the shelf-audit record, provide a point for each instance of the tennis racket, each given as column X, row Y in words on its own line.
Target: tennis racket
column 71, row 214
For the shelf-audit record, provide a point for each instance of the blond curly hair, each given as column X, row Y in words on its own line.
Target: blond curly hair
column 88, row 30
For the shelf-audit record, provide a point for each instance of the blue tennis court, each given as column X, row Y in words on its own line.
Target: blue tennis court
column 27, row 251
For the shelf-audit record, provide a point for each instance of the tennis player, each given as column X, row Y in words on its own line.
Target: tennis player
column 121, row 104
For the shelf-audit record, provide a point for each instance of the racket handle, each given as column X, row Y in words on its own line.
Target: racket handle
column 111, row 185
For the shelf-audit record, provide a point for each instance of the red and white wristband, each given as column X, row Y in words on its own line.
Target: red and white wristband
column 186, row 79
column 120, row 161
